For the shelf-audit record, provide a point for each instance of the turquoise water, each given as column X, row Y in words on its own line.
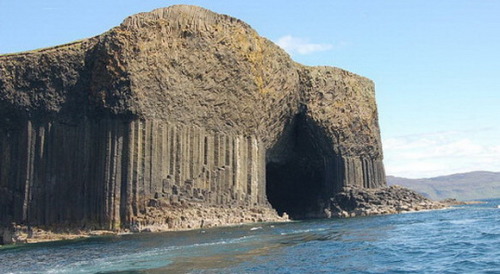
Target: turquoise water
column 464, row 239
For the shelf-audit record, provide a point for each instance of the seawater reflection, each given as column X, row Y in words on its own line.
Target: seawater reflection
column 464, row 239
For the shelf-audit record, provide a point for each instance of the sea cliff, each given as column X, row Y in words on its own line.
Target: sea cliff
column 178, row 109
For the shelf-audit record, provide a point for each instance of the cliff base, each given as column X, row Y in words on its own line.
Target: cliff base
column 178, row 217
column 159, row 217
column 352, row 202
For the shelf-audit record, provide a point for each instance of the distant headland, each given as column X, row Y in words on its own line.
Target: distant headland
column 474, row 185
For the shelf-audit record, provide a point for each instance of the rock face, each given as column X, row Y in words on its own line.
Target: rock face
column 178, row 105
column 354, row 201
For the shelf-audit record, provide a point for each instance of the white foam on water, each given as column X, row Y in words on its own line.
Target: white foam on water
column 300, row 231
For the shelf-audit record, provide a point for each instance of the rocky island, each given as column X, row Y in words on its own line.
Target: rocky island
column 178, row 118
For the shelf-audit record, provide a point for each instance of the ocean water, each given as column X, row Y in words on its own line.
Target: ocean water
column 464, row 239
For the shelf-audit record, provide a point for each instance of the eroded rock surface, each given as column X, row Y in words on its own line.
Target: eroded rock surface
column 353, row 201
column 181, row 104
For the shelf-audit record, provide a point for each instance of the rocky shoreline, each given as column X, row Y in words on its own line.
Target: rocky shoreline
column 185, row 216
column 353, row 202
column 184, row 104
column 350, row 202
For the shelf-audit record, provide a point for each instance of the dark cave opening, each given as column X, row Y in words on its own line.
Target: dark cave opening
column 296, row 175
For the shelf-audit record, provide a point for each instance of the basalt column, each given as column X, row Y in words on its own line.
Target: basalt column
column 102, row 173
column 174, row 109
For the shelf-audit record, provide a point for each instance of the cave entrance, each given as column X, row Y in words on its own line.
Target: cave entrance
column 296, row 171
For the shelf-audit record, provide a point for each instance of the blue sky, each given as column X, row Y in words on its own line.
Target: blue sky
column 436, row 64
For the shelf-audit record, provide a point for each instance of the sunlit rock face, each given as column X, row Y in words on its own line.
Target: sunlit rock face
column 178, row 106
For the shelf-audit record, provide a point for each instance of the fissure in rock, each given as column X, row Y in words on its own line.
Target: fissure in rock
column 296, row 172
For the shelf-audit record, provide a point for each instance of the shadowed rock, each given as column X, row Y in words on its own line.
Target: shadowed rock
column 354, row 201
column 177, row 107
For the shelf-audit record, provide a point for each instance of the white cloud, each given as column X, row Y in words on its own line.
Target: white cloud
column 301, row 46
column 441, row 153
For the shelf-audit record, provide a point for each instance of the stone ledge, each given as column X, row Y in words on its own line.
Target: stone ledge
column 157, row 219
column 353, row 202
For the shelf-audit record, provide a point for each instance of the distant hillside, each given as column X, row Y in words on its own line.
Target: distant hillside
column 464, row 186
